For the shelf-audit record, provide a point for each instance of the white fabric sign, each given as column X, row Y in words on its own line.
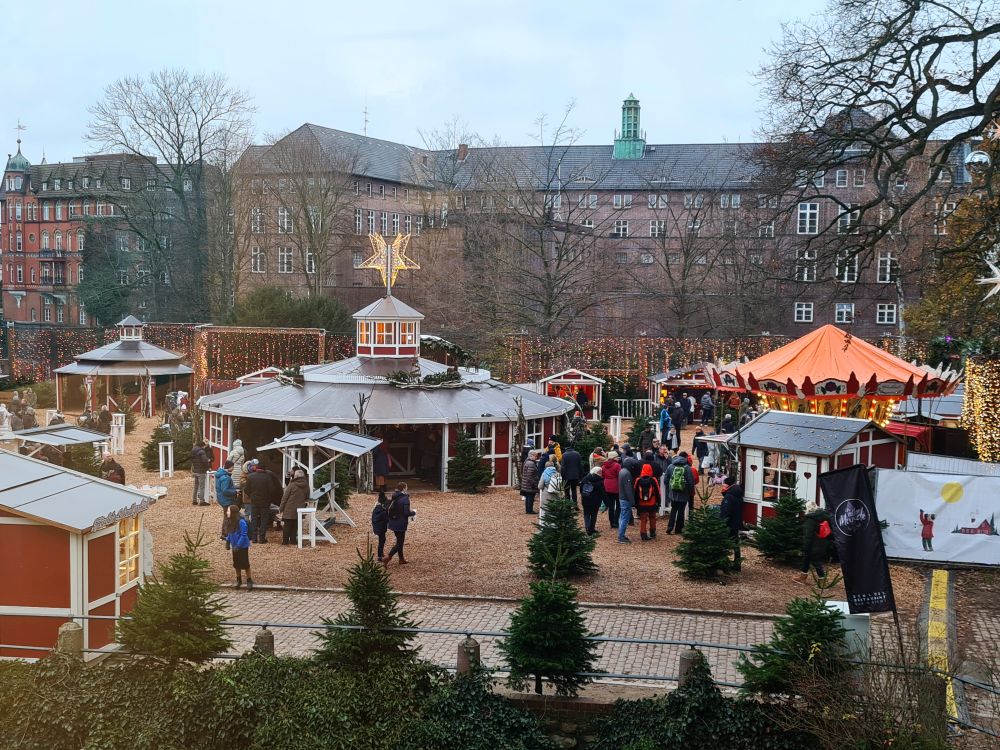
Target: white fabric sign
column 939, row 517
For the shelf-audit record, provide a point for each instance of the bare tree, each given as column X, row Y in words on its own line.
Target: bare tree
column 181, row 125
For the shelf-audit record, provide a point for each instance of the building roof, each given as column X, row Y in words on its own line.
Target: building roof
column 17, row 162
column 792, row 432
column 60, row 497
column 61, row 435
column 387, row 307
column 572, row 374
column 333, row 439
column 130, row 320
column 945, row 407
column 376, row 370
column 671, row 166
column 334, row 403
column 128, row 351
column 699, row 369
column 830, row 363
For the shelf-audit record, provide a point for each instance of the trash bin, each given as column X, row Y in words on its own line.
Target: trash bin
column 858, row 627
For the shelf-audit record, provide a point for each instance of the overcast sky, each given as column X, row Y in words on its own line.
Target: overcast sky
column 416, row 65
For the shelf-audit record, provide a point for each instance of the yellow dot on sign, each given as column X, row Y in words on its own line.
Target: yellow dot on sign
column 951, row 492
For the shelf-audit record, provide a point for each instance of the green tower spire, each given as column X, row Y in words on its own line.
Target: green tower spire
column 630, row 144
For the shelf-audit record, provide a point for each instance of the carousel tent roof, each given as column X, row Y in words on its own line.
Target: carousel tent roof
column 333, row 439
column 61, row 435
column 333, row 403
column 831, row 362
column 61, row 497
column 792, row 432
column 127, row 357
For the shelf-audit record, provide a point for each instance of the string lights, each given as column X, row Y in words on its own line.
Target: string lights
column 981, row 407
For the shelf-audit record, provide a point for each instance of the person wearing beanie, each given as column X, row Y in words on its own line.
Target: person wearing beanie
column 609, row 472
column 647, row 501
column 530, row 473
column 554, row 449
column 529, row 445
column 680, row 490
column 591, row 496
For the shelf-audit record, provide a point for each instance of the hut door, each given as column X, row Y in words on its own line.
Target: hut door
column 805, row 477
column 754, row 483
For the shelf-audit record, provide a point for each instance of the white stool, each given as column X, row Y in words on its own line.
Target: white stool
column 312, row 525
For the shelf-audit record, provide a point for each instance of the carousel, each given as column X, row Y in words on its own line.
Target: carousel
column 416, row 406
column 831, row 373
column 132, row 370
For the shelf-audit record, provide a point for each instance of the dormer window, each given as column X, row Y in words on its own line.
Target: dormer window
column 58, row 183
column 17, row 183
column 45, row 186
column 97, row 183
column 86, row 182
column 126, row 183
column 69, row 184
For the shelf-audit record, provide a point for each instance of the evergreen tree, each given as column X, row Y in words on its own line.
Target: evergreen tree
column 560, row 548
column 546, row 640
column 810, row 640
column 468, row 471
column 375, row 608
column 780, row 536
column 124, row 402
column 596, row 436
column 638, row 426
column 706, row 547
column 178, row 616
column 183, row 440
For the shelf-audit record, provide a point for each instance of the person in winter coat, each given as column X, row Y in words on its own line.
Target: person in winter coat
column 529, row 482
column 609, row 472
column 225, row 493
column 665, row 423
column 529, row 445
column 399, row 520
column 238, row 540
column 549, row 485
column 626, row 499
column 680, row 490
column 700, row 449
column 295, row 496
column 813, row 548
column 103, row 420
column 927, row 530
column 707, row 408
column 554, row 449
column 381, row 465
column 599, row 456
column 262, row 489
column 646, row 438
column 112, row 470
column 16, row 423
column 199, row 470
column 572, row 471
column 591, row 496
column 695, row 475
column 29, row 421
column 661, row 464
column 380, row 522
column 728, row 426
column 647, row 501
column 238, row 456
column 731, row 512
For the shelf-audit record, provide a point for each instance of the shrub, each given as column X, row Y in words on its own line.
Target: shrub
column 779, row 537
column 638, row 426
column 468, row 471
column 45, row 391
column 560, row 548
column 706, row 547
column 547, row 640
column 596, row 436
column 82, row 458
column 183, row 440
column 178, row 616
column 375, row 608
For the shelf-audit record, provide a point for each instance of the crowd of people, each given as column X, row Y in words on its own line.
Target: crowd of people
column 21, row 414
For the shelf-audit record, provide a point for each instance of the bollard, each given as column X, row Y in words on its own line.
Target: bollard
column 468, row 655
column 688, row 658
column 69, row 642
column 263, row 642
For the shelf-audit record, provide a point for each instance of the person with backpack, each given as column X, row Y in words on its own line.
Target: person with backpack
column 680, row 491
column 731, row 512
column 815, row 531
column 380, row 522
column 572, row 471
column 647, row 501
column 591, row 496
column 626, row 499
column 399, row 520
column 549, row 486
column 609, row 472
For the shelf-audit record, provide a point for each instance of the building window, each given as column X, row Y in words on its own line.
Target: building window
column 86, row 182
column 384, row 333
column 357, row 258
column 34, row 315
column 756, row 259
column 79, row 240
column 646, row 259
column 284, row 260
column 848, row 221
column 407, row 223
column 368, row 189
column 844, row 312
column 420, row 225
column 121, row 241
column 693, row 200
column 126, row 183
column 371, row 222
column 808, row 218
column 86, row 207
column 57, row 184
column 847, row 267
column 45, row 241
column 187, row 185
column 47, row 310
column 620, row 228
column 364, row 332
column 803, row 312
column 900, row 183
column 805, row 265
column 766, row 229
column 819, row 179
column 46, row 212
column 284, row 221
column 729, row 200
column 99, row 209
column 257, row 221
column 81, row 316
column 98, row 183
column 941, row 213
column 621, row 256
column 395, row 224
column 19, row 242
column 151, row 184
column 407, row 333
column 381, row 192
column 60, row 313
column 17, row 210
column 694, row 227
column 258, row 260
column 888, row 267
column 860, row 175
column 123, row 277
column 358, row 221
column 657, row 228
column 59, row 241
column 841, row 178
column 588, row 200
column 310, row 262
column 588, row 223
column 621, row 201
column 215, row 428
column 885, row 314
column 20, row 274
column 384, row 223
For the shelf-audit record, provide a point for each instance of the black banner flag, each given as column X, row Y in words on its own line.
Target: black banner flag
column 858, row 536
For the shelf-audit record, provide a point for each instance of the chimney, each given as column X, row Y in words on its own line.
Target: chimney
column 463, row 151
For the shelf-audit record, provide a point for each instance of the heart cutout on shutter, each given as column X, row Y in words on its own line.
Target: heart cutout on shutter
column 807, row 474
column 753, row 467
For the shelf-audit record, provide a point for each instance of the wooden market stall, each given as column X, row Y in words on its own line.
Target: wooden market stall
column 577, row 386
column 668, row 386
column 784, row 452
column 70, row 545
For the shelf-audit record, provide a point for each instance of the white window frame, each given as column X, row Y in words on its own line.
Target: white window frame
column 846, row 271
column 805, row 264
column 841, row 178
column 885, row 313
column 285, row 223
column 843, row 312
column 860, row 177
column 765, row 229
column 286, row 261
column 215, row 429
column 807, row 218
column 620, row 228
column 803, row 312
column 258, row 260
column 657, row 228
column 129, row 551
column 888, row 267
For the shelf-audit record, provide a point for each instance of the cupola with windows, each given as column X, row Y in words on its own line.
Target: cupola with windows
column 130, row 329
column 388, row 327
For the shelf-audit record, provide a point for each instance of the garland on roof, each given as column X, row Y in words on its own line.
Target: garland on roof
column 448, row 379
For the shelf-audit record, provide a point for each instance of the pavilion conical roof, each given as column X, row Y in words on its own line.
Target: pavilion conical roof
column 831, row 363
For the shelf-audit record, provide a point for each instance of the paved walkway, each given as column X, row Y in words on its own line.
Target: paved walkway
column 487, row 616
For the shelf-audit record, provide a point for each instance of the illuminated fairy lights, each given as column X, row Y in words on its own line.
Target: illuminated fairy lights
column 981, row 409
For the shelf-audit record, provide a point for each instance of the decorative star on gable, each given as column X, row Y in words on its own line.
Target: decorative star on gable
column 389, row 259
column 994, row 280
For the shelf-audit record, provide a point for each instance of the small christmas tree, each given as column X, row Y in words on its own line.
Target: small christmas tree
column 468, row 471
column 596, row 436
column 124, row 405
column 547, row 640
column 811, row 639
column 560, row 548
column 178, row 616
column 638, row 426
column 707, row 546
column 375, row 608
column 780, row 536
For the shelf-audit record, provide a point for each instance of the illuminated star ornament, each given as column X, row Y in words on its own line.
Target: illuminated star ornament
column 994, row 280
column 389, row 259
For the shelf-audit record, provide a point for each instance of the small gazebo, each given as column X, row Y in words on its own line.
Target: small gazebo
column 830, row 372
column 143, row 372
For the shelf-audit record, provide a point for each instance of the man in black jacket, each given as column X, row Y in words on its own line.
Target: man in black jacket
column 262, row 489
column 731, row 512
column 199, row 469
column 572, row 471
